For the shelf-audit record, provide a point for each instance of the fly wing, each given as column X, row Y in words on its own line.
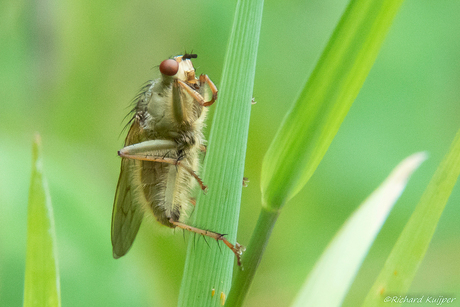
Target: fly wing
column 127, row 210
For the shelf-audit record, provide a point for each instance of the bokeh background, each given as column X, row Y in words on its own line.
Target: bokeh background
column 69, row 69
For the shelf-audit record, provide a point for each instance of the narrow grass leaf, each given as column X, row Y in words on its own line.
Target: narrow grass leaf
column 407, row 254
column 333, row 274
column 42, row 286
column 211, row 267
column 314, row 119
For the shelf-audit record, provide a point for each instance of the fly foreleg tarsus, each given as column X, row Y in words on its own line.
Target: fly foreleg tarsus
column 212, row 87
column 197, row 96
column 237, row 249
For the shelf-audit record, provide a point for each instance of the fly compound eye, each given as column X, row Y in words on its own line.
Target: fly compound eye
column 169, row 67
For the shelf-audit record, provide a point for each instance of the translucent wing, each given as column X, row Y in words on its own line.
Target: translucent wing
column 127, row 210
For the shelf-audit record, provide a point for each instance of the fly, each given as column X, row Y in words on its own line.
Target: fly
column 161, row 154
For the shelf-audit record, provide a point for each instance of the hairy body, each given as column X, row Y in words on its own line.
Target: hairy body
column 161, row 154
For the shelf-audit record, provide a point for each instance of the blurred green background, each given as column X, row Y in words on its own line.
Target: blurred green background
column 68, row 69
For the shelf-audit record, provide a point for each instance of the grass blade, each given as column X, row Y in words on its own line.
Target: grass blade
column 333, row 274
column 208, row 268
column 313, row 121
column 42, row 286
column 408, row 252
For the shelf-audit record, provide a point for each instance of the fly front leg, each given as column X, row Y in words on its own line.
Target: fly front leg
column 177, row 103
column 143, row 152
column 212, row 87
column 197, row 96
column 237, row 249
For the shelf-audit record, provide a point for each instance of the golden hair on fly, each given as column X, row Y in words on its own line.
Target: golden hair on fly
column 160, row 158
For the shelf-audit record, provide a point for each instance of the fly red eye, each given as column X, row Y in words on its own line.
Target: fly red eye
column 169, row 67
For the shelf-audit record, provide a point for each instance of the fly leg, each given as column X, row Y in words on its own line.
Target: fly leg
column 237, row 249
column 143, row 152
column 212, row 86
column 197, row 96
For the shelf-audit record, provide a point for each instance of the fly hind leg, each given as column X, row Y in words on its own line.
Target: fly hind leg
column 237, row 249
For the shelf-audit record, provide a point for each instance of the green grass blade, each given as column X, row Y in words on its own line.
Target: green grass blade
column 313, row 121
column 333, row 274
column 408, row 252
column 252, row 257
column 211, row 267
column 42, row 286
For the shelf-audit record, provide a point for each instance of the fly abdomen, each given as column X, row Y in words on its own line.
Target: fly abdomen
column 163, row 187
